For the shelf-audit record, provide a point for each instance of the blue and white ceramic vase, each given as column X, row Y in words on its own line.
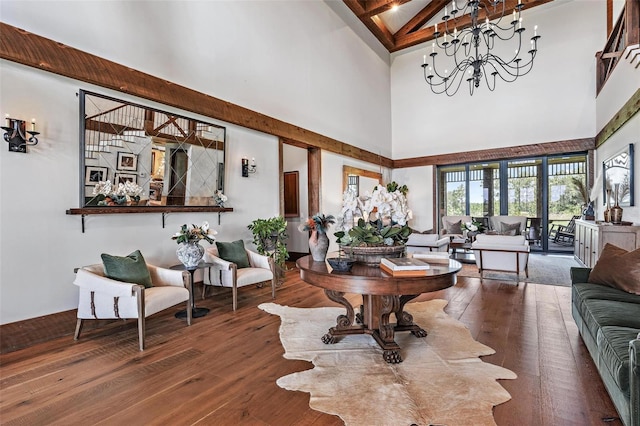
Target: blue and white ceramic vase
column 190, row 253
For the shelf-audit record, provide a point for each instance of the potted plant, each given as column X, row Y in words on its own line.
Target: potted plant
column 375, row 225
column 270, row 236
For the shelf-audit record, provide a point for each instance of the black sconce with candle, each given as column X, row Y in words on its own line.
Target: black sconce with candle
column 248, row 168
column 16, row 134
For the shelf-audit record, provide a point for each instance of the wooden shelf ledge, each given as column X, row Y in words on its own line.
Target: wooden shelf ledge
column 86, row 211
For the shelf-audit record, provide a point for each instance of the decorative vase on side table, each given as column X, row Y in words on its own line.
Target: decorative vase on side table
column 190, row 253
column 318, row 245
column 616, row 210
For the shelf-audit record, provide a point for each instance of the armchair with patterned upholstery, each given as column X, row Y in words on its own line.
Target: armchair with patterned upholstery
column 106, row 298
column 253, row 268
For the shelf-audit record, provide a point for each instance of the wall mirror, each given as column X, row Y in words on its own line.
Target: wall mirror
column 618, row 170
column 359, row 180
column 171, row 160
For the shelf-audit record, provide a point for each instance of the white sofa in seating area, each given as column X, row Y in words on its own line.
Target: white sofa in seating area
column 502, row 225
column 419, row 243
column 505, row 253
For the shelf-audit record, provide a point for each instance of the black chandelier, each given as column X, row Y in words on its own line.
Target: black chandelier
column 471, row 48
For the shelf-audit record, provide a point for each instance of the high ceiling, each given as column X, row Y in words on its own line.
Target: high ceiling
column 399, row 24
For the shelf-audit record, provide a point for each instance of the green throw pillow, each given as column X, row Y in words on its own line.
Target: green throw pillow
column 233, row 252
column 129, row 269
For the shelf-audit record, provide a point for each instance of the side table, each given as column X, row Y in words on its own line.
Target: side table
column 195, row 312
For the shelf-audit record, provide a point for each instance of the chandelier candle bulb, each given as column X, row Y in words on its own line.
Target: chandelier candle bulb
column 514, row 16
column 535, row 30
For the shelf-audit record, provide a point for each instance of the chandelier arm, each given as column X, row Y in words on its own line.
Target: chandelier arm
column 504, row 70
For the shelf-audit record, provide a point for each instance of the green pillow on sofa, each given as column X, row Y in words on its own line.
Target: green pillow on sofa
column 234, row 252
column 128, row 269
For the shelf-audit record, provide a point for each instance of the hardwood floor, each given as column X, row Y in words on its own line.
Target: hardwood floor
column 222, row 370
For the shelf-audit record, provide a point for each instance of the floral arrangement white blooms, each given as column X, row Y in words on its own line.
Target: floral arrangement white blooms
column 377, row 218
column 219, row 198
column 472, row 226
column 111, row 195
column 193, row 233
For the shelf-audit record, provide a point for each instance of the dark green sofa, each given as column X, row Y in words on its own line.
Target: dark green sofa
column 609, row 323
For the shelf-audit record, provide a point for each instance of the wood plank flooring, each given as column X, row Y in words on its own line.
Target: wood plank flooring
column 222, row 370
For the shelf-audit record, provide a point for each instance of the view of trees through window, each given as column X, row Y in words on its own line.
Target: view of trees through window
column 516, row 187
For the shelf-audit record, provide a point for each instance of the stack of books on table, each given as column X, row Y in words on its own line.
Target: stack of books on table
column 404, row 267
column 433, row 257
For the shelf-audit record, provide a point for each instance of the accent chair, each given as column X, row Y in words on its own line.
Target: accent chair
column 504, row 253
column 226, row 273
column 106, row 298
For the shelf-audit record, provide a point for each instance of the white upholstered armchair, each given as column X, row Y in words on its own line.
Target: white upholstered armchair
column 228, row 274
column 504, row 253
column 105, row 298
column 419, row 243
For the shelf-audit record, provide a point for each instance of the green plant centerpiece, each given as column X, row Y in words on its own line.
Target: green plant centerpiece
column 374, row 225
column 270, row 238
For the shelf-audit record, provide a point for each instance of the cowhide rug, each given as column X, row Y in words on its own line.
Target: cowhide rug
column 440, row 382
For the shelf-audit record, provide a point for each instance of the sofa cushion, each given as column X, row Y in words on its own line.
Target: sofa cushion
column 584, row 291
column 509, row 228
column 453, row 227
column 128, row 269
column 613, row 347
column 233, row 252
column 618, row 268
column 598, row 313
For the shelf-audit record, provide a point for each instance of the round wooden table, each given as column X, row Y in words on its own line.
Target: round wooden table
column 382, row 294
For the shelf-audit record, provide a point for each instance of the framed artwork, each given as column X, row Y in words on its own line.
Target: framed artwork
column 127, row 161
column 95, row 174
column 291, row 202
column 125, row 177
column 618, row 170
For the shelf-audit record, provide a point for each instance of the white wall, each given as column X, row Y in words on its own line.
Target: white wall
column 296, row 61
column 555, row 101
column 621, row 85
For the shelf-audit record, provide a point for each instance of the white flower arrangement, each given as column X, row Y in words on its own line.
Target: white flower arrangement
column 195, row 233
column 121, row 194
column 375, row 219
column 389, row 206
column 469, row 226
column 219, row 198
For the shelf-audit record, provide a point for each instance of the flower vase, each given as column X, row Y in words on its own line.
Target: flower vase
column 190, row 253
column 616, row 210
column 318, row 245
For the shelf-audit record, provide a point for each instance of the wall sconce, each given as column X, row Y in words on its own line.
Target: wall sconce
column 248, row 168
column 16, row 134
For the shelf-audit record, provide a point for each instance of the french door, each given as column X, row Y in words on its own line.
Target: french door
column 548, row 190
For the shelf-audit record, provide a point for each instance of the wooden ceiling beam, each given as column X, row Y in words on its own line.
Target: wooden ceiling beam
column 410, row 34
column 373, row 23
column 32, row 50
column 375, row 7
column 421, row 18
column 533, row 150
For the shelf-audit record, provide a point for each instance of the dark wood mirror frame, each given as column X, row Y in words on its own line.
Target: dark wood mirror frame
column 618, row 169
column 177, row 162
